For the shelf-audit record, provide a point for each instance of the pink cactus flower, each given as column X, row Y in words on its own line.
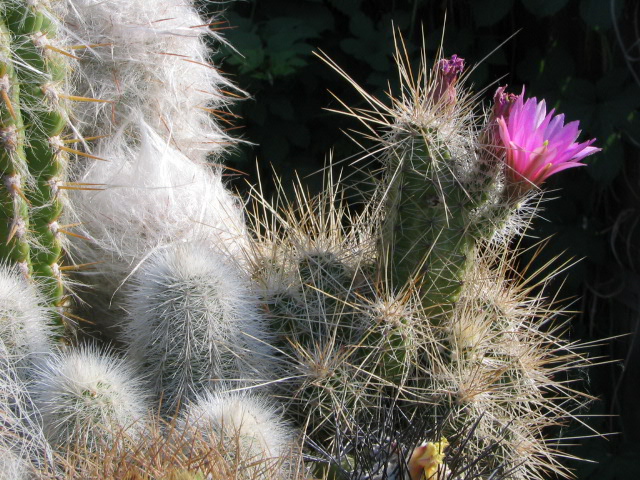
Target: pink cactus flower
column 538, row 144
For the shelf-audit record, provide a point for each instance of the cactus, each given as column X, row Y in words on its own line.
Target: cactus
column 40, row 69
column 249, row 430
column 15, row 245
column 26, row 326
column 153, row 196
column 87, row 398
column 469, row 346
column 411, row 306
column 22, row 441
column 193, row 322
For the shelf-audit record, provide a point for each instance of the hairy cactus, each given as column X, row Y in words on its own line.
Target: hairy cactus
column 248, row 428
column 193, row 322
column 153, row 196
column 26, row 325
column 22, row 441
column 87, row 398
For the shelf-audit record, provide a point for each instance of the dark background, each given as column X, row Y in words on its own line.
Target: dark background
column 582, row 56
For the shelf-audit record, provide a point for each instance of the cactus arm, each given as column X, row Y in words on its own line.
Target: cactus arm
column 425, row 235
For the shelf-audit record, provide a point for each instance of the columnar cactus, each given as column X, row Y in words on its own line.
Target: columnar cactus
column 15, row 245
column 40, row 66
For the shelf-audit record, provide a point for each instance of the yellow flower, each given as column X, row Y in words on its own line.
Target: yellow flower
column 426, row 459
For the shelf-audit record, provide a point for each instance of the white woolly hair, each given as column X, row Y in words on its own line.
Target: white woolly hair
column 246, row 423
column 152, row 196
column 26, row 327
column 12, row 466
column 193, row 320
column 22, row 441
column 146, row 58
column 87, row 398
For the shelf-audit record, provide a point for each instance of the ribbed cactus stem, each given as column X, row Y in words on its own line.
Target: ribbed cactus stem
column 426, row 237
column 40, row 71
column 14, row 210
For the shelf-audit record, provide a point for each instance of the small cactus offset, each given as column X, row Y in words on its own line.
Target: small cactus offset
column 87, row 397
column 248, row 428
column 215, row 342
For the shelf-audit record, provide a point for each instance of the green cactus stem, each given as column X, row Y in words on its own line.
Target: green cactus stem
column 40, row 71
column 426, row 234
column 14, row 209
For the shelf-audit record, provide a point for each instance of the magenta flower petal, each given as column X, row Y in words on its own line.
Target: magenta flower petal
column 538, row 144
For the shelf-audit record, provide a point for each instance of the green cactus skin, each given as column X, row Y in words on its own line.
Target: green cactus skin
column 14, row 209
column 426, row 234
column 40, row 71
column 314, row 316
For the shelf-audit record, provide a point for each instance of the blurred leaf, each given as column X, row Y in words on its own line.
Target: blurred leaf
column 252, row 56
column 490, row 46
column 490, row 12
column 597, row 13
column 283, row 32
column 603, row 167
column 275, row 148
column 299, row 135
column 281, row 106
column 346, row 6
column 317, row 17
column 544, row 8
column 370, row 45
column 256, row 111
column 632, row 128
column 361, row 26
